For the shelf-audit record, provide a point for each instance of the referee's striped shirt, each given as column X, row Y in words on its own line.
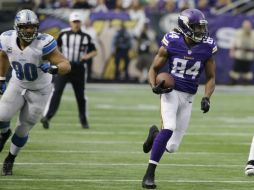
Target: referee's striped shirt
column 74, row 45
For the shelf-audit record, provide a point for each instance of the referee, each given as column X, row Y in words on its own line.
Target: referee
column 78, row 47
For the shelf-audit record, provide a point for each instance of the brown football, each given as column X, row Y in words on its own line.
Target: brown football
column 169, row 80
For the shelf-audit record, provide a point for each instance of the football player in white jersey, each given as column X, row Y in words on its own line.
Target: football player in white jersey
column 28, row 53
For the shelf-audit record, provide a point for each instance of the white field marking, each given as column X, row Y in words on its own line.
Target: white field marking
column 123, row 152
column 124, row 180
column 140, row 119
column 128, row 164
column 127, row 107
column 130, row 125
column 138, row 133
column 127, row 142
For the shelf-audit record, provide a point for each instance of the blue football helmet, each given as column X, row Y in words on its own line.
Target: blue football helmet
column 23, row 19
column 192, row 24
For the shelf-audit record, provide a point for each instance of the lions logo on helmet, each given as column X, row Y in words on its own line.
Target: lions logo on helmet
column 192, row 24
column 24, row 19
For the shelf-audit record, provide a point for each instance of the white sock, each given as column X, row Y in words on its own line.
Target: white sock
column 251, row 154
column 14, row 150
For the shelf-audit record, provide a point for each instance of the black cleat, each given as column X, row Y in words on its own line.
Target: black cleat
column 153, row 131
column 3, row 138
column 148, row 182
column 85, row 126
column 45, row 122
column 7, row 167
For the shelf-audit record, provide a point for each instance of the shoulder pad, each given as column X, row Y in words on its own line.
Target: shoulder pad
column 211, row 43
column 8, row 33
column 170, row 37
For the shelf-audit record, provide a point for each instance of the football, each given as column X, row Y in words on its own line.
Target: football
column 169, row 80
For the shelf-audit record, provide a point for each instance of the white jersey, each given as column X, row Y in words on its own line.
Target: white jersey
column 25, row 62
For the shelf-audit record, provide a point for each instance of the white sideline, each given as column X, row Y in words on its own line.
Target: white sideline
column 123, row 180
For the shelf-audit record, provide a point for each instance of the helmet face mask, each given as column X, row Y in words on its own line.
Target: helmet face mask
column 26, row 24
column 192, row 23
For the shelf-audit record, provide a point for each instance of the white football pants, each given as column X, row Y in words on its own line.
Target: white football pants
column 176, row 109
column 30, row 104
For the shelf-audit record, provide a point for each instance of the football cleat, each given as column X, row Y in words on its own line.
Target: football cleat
column 45, row 122
column 85, row 125
column 153, row 131
column 3, row 138
column 7, row 167
column 249, row 169
column 148, row 182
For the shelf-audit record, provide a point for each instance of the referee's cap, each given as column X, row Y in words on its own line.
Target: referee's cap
column 75, row 16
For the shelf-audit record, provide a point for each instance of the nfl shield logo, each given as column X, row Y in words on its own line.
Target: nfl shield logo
column 189, row 52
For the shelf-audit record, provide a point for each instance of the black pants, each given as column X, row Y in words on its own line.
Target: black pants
column 121, row 54
column 77, row 78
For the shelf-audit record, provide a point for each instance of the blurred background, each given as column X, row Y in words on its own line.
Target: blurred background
column 146, row 21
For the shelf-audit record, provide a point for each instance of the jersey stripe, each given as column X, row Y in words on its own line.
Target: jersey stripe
column 165, row 41
column 215, row 49
column 50, row 47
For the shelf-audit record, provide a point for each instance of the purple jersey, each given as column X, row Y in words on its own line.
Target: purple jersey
column 186, row 64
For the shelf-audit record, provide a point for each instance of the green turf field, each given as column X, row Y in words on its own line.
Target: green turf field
column 109, row 155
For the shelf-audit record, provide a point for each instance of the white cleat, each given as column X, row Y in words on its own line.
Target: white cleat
column 249, row 170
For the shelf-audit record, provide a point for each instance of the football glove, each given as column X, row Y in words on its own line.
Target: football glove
column 47, row 68
column 158, row 89
column 2, row 86
column 205, row 104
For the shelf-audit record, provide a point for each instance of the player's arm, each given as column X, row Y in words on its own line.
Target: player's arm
column 158, row 62
column 210, row 77
column 4, row 64
column 209, row 85
column 55, row 57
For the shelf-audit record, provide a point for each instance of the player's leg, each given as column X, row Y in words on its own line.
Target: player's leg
column 153, row 132
column 249, row 169
column 10, row 103
column 53, row 102
column 117, row 65
column 169, row 106
column 29, row 115
column 182, row 122
column 78, row 82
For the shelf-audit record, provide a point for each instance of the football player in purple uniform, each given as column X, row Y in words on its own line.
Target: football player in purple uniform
column 186, row 51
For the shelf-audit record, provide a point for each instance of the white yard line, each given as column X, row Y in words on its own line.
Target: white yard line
column 124, row 180
column 123, row 152
column 129, row 164
column 131, row 142
column 135, row 133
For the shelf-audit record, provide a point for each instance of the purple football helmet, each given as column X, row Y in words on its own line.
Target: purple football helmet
column 192, row 23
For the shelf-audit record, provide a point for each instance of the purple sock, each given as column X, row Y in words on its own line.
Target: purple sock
column 159, row 144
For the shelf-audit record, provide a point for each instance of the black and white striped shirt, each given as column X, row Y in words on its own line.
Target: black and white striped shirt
column 74, row 45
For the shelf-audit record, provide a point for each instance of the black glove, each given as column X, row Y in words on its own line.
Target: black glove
column 2, row 86
column 205, row 104
column 158, row 89
column 47, row 68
